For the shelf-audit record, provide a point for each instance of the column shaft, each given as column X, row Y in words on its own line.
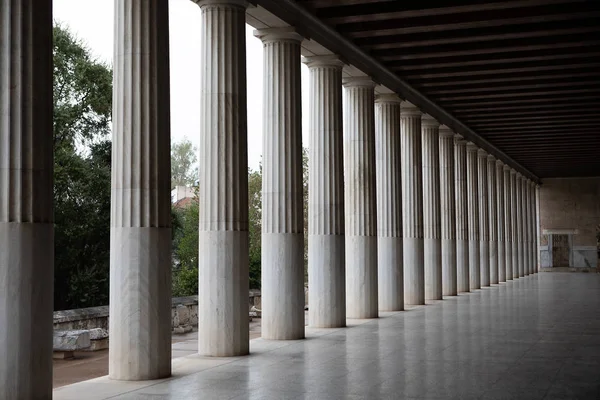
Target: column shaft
column 326, row 258
column 432, row 242
column 26, row 220
column 412, row 204
column 484, row 228
column 462, row 215
column 526, row 247
column 473, row 212
column 508, row 230
column 140, row 249
column 519, row 225
column 223, row 195
column 492, row 219
column 282, row 258
column 530, row 225
column 514, row 216
column 501, row 221
column 448, row 212
column 533, row 229
column 389, row 203
column 360, row 199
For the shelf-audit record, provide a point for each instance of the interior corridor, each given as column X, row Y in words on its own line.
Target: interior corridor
column 532, row 338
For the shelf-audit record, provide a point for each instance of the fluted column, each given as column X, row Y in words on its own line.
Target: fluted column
column 412, row 204
column 326, row 258
column 360, row 198
column 514, row 224
column 536, row 207
column 432, row 243
column 140, row 253
column 223, row 195
column 492, row 194
column 282, row 246
column 389, row 203
column 448, row 211
column 484, row 229
column 527, row 227
column 519, row 224
column 534, row 245
column 473, row 211
column 508, row 226
column 501, row 245
column 26, row 220
column 462, row 215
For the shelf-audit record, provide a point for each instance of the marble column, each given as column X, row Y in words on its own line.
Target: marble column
column 462, row 214
column 389, row 203
column 529, row 251
column 140, row 233
column 484, row 230
column 492, row 193
column 26, row 220
column 501, row 245
column 525, row 208
column 519, row 224
column 473, row 212
column 534, row 238
column 432, row 242
column 448, row 212
column 360, row 198
column 326, row 258
column 514, row 216
column 412, row 204
column 508, row 229
column 223, row 195
column 537, row 227
column 282, row 246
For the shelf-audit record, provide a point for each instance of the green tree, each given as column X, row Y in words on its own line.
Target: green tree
column 254, row 224
column 183, row 160
column 185, row 249
column 82, row 149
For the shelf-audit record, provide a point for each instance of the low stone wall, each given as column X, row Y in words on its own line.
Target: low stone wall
column 184, row 312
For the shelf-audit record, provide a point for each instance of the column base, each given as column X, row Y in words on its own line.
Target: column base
column 390, row 273
column 433, row 268
column 474, row 260
column 462, row 266
column 414, row 271
column 449, row 267
column 361, row 277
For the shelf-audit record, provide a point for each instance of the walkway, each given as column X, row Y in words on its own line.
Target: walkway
column 534, row 338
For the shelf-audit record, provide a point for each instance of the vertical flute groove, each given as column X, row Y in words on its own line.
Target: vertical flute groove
column 473, row 212
column 461, row 195
column 501, row 221
column 492, row 219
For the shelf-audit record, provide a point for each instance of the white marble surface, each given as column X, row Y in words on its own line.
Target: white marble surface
column 508, row 230
column 390, row 273
column 473, row 217
column 448, row 212
column 140, row 236
column 26, row 220
column 223, row 179
column 492, row 219
column 533, row 346
column 462, row 215
column 432, row 242
column 360, row 198
column 484, row 231
column 326, row 232
column 282, row 241
column 412, row 204
column 501, row 235
column 514, row 216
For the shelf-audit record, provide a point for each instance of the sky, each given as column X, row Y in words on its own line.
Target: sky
column 92, row 22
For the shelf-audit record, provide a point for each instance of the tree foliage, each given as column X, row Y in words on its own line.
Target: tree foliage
column 82, row 111
column 183, row 161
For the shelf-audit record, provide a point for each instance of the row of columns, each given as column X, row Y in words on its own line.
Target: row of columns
column 401, row 209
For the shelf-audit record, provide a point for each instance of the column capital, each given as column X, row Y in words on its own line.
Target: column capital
column 388, row 98
column 359, row 81
column 427, row 121
column 408, row 109
column 513, row 171
column 481, row 153
column 459, row 140
column 491, row 158
column 445, row 131
column 500, row 164
column 286, row 34
column 472, row 147
column 222, row 3
column 327, row 61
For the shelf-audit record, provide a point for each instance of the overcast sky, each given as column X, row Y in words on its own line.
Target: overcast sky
column 92, row 22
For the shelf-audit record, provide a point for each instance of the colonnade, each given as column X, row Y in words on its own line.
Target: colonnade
column 401, row 209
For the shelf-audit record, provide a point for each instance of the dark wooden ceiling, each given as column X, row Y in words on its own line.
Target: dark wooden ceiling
column 523, row 74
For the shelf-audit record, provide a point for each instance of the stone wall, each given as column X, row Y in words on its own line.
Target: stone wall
column 184, row 312
column 570, row 206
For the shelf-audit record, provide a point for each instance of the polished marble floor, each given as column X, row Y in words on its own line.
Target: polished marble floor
column 537, row 337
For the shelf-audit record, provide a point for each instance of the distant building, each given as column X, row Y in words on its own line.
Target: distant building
column 182, row 196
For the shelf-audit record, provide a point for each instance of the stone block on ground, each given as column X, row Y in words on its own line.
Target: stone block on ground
column 71, row 340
